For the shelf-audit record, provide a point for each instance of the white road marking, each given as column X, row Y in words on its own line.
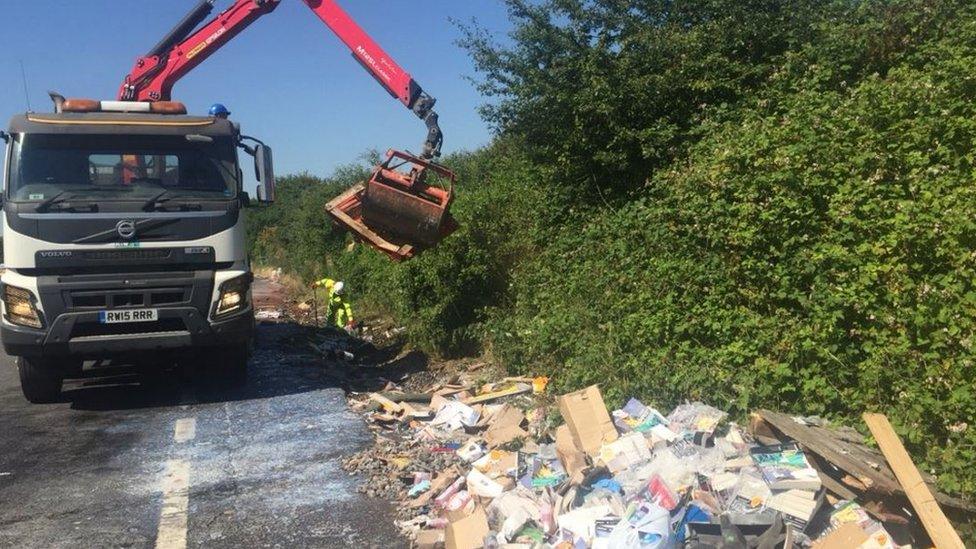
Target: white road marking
column 176, row 500
column 186, row 430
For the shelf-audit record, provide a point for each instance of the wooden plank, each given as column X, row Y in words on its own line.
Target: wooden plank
column 875, row 508
column 939, row 528
column 844, row 456
column 417, row 398
column 449, row 390
column 860, row 462
column 829, row 482
column 516, row 390
column 387, row 404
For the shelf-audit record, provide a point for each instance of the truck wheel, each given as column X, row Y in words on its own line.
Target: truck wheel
column 39, row 380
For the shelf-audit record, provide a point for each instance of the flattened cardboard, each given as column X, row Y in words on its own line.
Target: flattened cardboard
column 505, row 426
column 572, row 458
column 848, row 536
column 428, row 539
column 468, row 532
column 588, row 420
column 507, row 416
column 498, row 437
column 437, row 402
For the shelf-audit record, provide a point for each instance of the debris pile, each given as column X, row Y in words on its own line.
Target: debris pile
column 487, row 468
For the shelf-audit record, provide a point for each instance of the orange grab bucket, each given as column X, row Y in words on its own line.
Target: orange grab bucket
column 402, row 209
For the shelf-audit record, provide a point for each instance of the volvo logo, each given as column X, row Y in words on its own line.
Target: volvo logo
column 126, row 229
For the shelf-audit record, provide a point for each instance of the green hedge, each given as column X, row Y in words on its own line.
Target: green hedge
column 799, row 234
column 444, row 295
column 818, row 256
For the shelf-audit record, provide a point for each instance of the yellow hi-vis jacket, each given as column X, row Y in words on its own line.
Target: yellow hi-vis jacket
column 339, row 313
column 326, row 283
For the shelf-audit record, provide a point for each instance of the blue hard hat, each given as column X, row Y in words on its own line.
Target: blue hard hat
column 219, row 110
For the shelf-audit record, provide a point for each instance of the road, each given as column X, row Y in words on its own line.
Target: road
column 178, row 463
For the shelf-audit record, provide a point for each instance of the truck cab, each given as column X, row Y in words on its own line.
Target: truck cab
column 124, row 237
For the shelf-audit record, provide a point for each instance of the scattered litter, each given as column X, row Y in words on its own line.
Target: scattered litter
column 482, row 465
column 419, row 488
column 269, row 315
column 455, row 415
column 513, row 389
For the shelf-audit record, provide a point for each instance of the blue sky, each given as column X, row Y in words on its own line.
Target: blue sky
column 288, row 80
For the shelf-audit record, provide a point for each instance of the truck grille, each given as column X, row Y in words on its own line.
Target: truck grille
column 127, row 255
column 143, row 297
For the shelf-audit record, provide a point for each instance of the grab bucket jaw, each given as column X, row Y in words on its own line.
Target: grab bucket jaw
column 402, row 209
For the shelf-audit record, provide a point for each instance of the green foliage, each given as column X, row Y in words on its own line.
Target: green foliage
column 295, row 233
column 815, row 255
column 755, row 203
column 443, row 295
column 609, row 91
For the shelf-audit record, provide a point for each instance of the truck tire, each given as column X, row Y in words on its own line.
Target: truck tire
column 39, row 380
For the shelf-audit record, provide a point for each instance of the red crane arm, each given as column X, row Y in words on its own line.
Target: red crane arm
column 372, row 57
column 154, row 75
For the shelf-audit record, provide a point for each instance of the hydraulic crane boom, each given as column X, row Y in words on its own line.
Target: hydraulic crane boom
column 186, row 47
column 404, row 206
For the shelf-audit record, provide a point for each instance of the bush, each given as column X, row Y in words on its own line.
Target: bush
column 752, row 203
column 504, row 208
column 609, row 92
column 815, row 256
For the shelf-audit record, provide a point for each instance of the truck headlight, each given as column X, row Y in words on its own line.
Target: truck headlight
column 233, row 296
column 20, row 307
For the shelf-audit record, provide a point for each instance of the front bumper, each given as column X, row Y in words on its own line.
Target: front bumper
column 71, row 304
column 191, row 331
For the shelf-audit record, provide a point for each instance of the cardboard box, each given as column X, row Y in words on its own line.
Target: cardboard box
column 573, row 459
column 429, row 539
column 468, row 532
column 588, row 420
column 505, row 426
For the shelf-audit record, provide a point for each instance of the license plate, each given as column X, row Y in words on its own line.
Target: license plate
column 129, row 315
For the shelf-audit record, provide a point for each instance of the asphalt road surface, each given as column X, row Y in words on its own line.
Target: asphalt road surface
column 179, row 463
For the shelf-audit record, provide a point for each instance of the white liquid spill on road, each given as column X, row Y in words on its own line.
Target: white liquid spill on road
column 176, row 501
column 186, row 430
column 279, row 454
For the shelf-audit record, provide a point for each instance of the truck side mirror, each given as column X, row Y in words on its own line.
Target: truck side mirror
column 264, row 171
column 5, row 136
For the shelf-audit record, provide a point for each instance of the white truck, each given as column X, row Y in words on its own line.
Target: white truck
column 123, row 220
column 124, row 235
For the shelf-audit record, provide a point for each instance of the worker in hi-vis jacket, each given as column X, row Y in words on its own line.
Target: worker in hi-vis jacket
column 339, row 311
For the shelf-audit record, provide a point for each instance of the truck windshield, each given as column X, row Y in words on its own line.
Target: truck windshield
column 112, row 167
